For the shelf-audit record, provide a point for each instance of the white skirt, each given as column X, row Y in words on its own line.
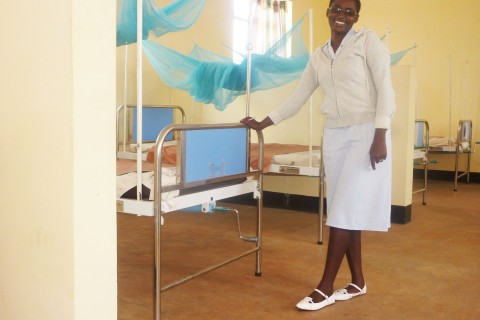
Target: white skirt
column 358, row 197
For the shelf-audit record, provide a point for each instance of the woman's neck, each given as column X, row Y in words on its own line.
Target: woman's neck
column 336, row 40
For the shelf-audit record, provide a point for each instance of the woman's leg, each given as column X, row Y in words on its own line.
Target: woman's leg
column 338, row 244
column 354, row 258
column 341, row 242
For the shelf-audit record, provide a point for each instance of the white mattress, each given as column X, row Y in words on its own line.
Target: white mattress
column 296, row 163
column 131, row 150
column 419, row 154
column 146, row 146
column 446, row 144
column 128, row 181
column 172, row 200
column 301, row 159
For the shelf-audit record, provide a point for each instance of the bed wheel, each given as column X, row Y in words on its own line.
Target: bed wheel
column 320, row 242
column 258, row 274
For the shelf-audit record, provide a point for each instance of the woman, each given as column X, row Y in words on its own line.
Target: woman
column 353, row 70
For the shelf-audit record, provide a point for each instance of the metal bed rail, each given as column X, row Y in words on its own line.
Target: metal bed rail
column 257, row 239
column 424, row 147
column 464, row 137
column 298, row 171
column 122, row 110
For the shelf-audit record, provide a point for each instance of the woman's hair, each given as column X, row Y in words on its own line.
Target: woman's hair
column 358, row 5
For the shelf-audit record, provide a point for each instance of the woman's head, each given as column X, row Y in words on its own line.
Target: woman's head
column 342, row 15
column 358, row 4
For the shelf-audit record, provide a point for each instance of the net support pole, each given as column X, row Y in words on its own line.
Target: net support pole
column 310, row 110
column 139, row 97
column 249, row 60
column 416, row 79
column 125, row 88
column 450, row 104
column 465, row 90
column 387, row 38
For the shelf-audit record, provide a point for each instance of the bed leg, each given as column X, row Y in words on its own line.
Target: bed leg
column 258, row 267
column 258, row 262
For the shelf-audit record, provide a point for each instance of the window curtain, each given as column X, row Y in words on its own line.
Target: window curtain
column 271, row 19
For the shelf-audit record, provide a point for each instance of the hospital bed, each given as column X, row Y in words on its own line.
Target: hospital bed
column 463, row 146
column 278, row 159
column 154, row 119
column 296, row 160
column 212, row 164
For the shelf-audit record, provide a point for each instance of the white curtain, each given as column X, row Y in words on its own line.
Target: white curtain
column 271, row 19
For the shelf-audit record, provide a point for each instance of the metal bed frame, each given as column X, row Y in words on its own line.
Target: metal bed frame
column 464, row 136
column 207, row 197
column 138, row 206
column 124, row 110
column 289, row 170
column 423, row 130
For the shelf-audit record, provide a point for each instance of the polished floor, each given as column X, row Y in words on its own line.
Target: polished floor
column 426, row 269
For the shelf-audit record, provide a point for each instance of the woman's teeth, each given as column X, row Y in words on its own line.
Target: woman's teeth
column 340, row 23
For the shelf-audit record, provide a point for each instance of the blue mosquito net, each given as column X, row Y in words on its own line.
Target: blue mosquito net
column 211, row 78
column 178, row 15
column 397, row 56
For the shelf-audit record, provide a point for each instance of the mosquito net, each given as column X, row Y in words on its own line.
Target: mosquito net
column 211, row 78
column 397, row 56
column 178, row 15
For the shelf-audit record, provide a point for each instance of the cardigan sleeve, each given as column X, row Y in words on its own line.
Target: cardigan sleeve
column 378, row 60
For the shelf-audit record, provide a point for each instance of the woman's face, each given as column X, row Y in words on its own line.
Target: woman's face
column 341, row 15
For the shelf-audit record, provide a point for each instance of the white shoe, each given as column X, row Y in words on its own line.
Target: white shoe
column 308, row 304
column 342, row 294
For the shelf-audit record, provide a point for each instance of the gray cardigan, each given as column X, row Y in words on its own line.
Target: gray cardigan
column 357, row 84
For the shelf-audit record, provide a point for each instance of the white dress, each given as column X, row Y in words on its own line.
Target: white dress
column 358, row 197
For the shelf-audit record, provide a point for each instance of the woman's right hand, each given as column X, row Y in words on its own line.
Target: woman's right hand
column 255, row 125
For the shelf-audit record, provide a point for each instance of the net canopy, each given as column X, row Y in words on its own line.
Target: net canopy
column 176, row 16
column 212, row 78
column 397, row 56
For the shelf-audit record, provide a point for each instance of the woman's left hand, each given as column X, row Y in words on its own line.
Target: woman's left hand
column 378, row 150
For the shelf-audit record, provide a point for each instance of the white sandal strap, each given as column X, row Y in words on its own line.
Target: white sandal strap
column 323, row 294
column 355, row 286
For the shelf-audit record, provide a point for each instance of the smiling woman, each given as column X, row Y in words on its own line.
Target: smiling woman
column 353, row 70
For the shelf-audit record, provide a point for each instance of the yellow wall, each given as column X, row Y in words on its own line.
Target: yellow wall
column 57, row 230
column 445, row 33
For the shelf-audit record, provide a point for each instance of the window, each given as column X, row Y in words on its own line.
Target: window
column 270, row 20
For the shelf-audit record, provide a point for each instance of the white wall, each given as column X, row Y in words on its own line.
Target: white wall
column 403, row 124
column 57, row 230
column 94, row 172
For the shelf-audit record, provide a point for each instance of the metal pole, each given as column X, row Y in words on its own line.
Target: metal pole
column 310, row 122
column 450, row 111
column 139, row 97
column 249, row 59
